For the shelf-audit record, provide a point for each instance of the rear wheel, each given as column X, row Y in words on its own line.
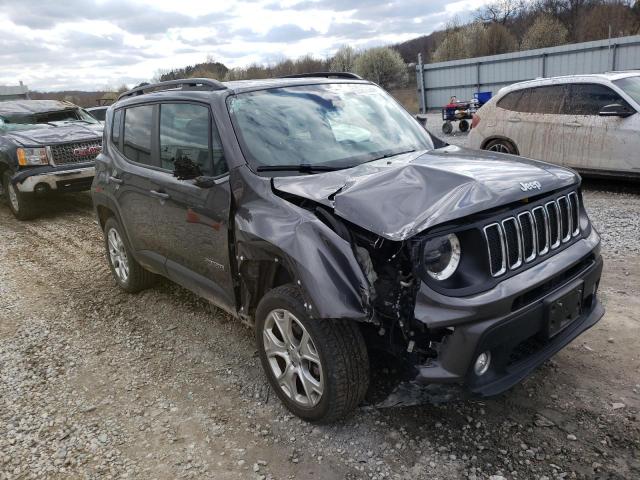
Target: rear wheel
column 129, row 274
column 22, row 206
column 318, row 368
column 447, row 128
column 463, row 125
column 501, row 145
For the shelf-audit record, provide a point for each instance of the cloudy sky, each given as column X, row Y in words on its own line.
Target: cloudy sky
column 90, row 44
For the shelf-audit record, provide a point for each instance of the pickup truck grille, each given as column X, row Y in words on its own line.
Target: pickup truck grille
column 70, row 153
column 522, row 238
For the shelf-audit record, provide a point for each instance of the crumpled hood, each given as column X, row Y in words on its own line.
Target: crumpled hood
column 399, row 197
column 77, row 132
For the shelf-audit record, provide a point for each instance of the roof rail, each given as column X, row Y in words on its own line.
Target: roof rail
column 185, row 84
column 325, row 75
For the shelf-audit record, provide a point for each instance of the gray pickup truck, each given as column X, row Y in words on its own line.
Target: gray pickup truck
column 46, row 146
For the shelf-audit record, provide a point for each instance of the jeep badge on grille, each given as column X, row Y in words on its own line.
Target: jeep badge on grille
column 526, row 186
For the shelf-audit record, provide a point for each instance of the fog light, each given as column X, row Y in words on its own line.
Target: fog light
column 41, row 188
column 482, row 363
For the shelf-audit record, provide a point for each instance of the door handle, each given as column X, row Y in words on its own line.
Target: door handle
column 161, row 195
column 514, row 120
column 573, row 124
column 116, row 180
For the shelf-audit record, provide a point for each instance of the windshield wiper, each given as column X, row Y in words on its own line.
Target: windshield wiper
column 393, row 154
column 301, row 167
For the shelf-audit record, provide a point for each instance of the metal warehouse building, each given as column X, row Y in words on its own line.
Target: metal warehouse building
column 14, row 92
column 437, row 82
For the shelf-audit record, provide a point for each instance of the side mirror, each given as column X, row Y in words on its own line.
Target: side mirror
column 437, row 143
column 204, row 181
column 615, row 110
column 422, row 118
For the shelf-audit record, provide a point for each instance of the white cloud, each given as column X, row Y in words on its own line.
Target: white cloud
column 87, row 44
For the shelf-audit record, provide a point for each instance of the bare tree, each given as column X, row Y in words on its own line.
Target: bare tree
column 500, row 11
column 594, row 23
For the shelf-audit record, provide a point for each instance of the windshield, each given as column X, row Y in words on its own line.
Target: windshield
column 330, row 125
column 44, row 120
column 631, row 86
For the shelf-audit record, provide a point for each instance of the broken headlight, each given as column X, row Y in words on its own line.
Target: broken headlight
column 441, row 256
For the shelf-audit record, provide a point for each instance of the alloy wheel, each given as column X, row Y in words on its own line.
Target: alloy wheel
column 118, row 255
column 500, row 148
column 293, row 358
column 13, row 197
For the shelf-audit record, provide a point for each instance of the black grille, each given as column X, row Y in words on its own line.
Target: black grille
column 78, row 152
column 565, row 219
column 521, row 239
column 542, row 230
column 513, row 242
column 528, row 236
column 575, row 214
column 75, row 185
column 554, row 227
column 494, row 242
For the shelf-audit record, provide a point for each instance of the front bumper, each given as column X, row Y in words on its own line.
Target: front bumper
column 516, row 338
column 60, row 179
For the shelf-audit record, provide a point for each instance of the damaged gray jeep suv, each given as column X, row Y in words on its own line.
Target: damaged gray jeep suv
column 318, row 211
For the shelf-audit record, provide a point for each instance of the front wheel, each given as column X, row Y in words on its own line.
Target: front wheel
column 319, row 368
column 22, row 206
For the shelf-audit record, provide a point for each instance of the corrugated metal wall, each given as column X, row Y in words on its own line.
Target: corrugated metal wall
column 437, row 82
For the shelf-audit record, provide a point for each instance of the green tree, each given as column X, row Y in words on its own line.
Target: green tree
column 383, row 66
column 546, row 31
column 452, row 47
column 344, row 60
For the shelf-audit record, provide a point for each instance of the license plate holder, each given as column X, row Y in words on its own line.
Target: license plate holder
column 563, row 309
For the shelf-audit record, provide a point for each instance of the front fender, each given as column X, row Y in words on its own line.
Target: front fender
column 320, row 262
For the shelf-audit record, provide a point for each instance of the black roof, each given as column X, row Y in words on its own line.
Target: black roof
column 239, row 86
column 208, row 86
column 29, row 107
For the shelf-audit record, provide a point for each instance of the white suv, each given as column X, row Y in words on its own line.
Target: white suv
column 587, row 122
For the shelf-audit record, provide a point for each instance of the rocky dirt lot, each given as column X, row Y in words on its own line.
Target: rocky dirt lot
column 97, row 383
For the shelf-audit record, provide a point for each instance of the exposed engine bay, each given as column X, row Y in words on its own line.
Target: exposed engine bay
column 391, row 269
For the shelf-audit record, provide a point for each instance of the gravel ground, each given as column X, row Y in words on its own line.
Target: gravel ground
column 96, row 383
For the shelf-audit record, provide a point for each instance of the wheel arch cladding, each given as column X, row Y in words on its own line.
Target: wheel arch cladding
column 282, row 245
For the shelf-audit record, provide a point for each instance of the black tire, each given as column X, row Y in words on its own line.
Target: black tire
column 447, row 128
column 22, row 205
column 500, row 145
column 340, row 347
column 138, row 278
column 463, row 125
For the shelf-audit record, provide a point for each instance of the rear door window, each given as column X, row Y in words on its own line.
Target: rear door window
column 510, row 100
column 545, row 100
column 138, row 124
column 589, row 98
column 187, row 132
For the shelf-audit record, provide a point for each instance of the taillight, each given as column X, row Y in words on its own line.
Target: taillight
column 475, row 120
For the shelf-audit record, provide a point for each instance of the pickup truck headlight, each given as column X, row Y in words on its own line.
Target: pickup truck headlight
column 32, row 156
column 441, row 256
